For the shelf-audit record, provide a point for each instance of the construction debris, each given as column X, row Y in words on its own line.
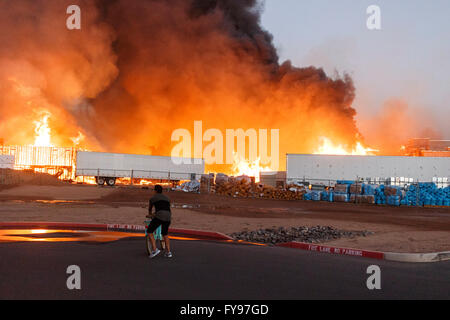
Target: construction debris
column 27, row 177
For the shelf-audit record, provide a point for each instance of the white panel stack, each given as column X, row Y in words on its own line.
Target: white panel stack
column 6, row 162
column 334, row 167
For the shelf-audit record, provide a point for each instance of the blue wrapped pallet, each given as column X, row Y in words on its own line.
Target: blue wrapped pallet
column 428, row 194
column 380, row 197
column 316, row 195
column 326, row 196
column 349, row 182
column 369, row 189
column 421, row 194
column 393, row 200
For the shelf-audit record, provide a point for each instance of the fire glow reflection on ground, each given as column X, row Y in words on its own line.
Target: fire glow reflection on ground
column 45, row 235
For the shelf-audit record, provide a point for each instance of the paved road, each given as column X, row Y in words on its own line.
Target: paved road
column 206, row 270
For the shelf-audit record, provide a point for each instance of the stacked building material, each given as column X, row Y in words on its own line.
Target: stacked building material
column 369, row 189
column 327, row 196
column 426, row 194
column 342, row 191
column 361, row 198
column 341, row 197
column 393, row 195
column 314, row 195
column 356, row 188
column 348, row 182
column 393, row 191
column 246, row 187
column 206, row 183
column 393, row 200
column 380, row 197
column 361, row 193
column 342, row 188
column 232, row 186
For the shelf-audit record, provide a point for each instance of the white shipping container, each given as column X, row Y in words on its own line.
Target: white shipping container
column 6, row 162
column 336, row 167
column 119, row 165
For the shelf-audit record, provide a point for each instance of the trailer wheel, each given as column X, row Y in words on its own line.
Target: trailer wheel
column 111, row 181
column 100, row 181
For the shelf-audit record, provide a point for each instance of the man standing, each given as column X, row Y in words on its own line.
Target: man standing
column 161, row 218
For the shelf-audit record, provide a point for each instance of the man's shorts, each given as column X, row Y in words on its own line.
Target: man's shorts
column 155, row 223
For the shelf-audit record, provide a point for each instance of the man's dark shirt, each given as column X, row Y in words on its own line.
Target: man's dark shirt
column 162, row 206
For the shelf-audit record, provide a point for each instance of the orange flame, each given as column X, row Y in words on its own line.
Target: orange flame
column 43, row 131
column 328, row 147
column 245, row 167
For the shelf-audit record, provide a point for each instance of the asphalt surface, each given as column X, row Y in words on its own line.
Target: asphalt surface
column 206, row 270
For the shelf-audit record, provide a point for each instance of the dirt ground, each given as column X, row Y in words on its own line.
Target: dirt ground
column 397, row 229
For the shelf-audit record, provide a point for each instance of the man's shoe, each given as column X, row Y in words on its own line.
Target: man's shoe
column 154, row 253
column 168, row 254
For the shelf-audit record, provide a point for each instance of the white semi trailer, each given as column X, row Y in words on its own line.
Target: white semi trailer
column 107, row 167
column 310, row 167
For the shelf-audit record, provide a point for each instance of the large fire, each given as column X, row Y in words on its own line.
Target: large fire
column 134, row 74
column 328, row 147
column 45, row 153
column 242, row 166
column 43, row 131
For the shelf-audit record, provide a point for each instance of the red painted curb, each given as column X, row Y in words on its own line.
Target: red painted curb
column 200, row 233
column 333, row 250
column 212, row 235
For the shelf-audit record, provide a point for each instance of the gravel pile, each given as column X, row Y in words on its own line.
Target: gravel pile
column 315, row 234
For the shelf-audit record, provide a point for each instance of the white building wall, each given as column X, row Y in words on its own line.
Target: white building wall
column 334, row 167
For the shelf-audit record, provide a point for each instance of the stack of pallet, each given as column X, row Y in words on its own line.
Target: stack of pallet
column 342, row 188
column 392, row 190
column 236, row 187
column 246, row 187
column 358, row 198
column 206, row 183
column 356, row 188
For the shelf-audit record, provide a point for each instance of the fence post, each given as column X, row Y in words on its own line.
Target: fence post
column 418, row 194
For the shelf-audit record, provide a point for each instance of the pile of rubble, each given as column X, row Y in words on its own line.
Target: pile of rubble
column 28, row 177
column 317, row 234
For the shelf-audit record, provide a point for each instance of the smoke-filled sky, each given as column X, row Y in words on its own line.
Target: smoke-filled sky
column 408, row 61
column 139, row 69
